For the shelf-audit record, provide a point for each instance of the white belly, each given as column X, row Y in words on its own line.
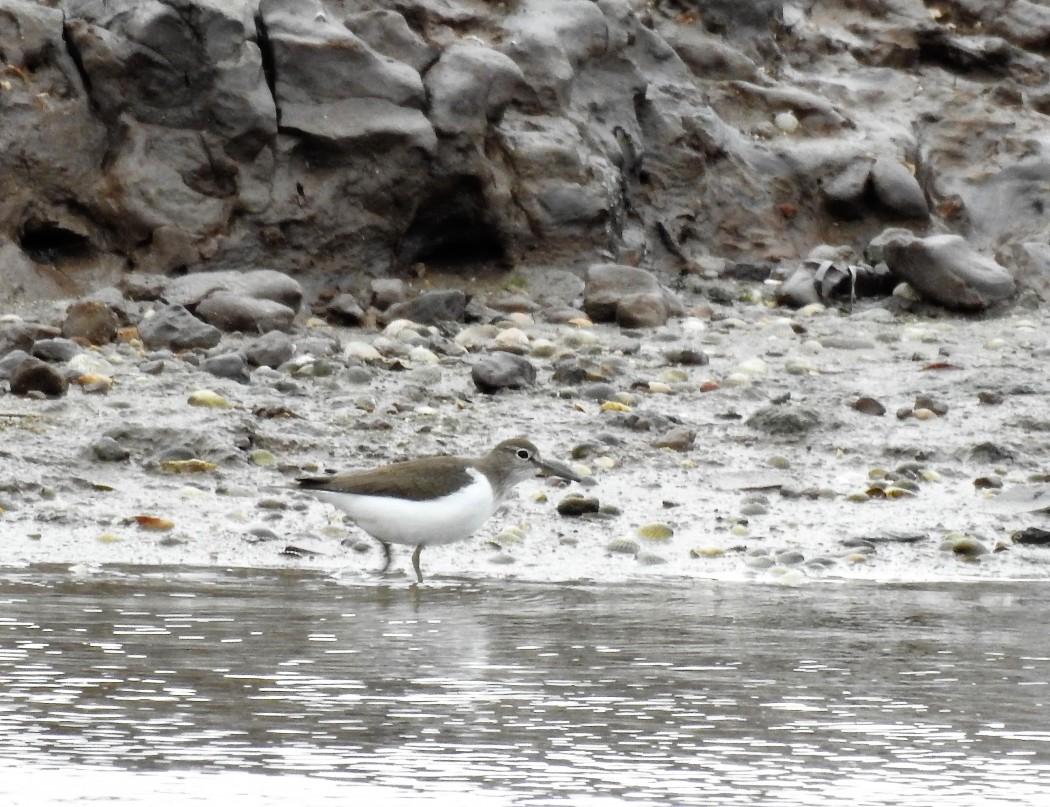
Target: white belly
column 437, row 521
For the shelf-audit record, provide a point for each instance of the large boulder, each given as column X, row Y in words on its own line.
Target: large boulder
column 260, row 284
column 469, row 88
column 947, row 270
column 626, row 294
column 331, row 86
column 236, row 312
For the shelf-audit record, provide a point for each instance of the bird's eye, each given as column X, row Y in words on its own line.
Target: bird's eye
column 524, row 454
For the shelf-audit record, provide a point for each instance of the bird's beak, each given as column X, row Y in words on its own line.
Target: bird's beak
column 557, row 469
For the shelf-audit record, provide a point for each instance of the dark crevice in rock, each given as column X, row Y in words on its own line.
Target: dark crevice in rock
column 269, row 65
column 451, row 229
column 78, row 60
column 957, row 54
column 46, row 242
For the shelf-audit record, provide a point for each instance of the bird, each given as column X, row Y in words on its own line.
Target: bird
column 432, row 500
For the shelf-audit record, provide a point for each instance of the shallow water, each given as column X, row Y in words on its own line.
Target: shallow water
column 263, row 687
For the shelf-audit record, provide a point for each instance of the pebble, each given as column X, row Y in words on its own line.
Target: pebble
column 92, row 321
column 93, row 383
column 679, row 439
column 786, row 122
column 34, row 376
column 90, row 362
column 753, row 367
column 963, row 545
column 657, row 531
column 228, row 365
column 57, row 349
column 362, row 351
column 623, row 546
column 1033, row 536
column 575, row 505
column 495, row 371
column 272, row 349
column 868, row 406
column 106, row 449
column 208, row 398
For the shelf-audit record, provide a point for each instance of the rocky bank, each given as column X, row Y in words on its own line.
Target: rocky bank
column 336, row 141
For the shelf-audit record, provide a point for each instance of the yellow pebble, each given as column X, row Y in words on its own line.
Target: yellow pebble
column 205, row 397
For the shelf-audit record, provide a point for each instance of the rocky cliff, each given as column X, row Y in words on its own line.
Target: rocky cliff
column 343, row 139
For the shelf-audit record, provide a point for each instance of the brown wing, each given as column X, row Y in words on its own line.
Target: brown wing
column 414, row 480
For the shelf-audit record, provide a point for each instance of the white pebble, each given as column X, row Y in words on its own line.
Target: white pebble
column 786, row 122
column 423, row 355
column 752, row 367
column 84, row 363
column 359, row 350
column 396, row 328
column 514, row 337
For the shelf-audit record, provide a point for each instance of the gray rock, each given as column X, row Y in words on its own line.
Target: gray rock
column 784, row 420
column 469, row 88
column 143, row 286
column 11, row 361
column 235, row 312
column 176, row 328
column 228, row 365
column 165, row 67
column 680, row 439
column 331, row 86
column 875, row 251
column 270, row 350
column 644, row 310
column 56, row 350
column 91, row 321
column 548, row 39
column 16, row 336
column 260, row 284
column 388, row 32
column 948, row 271
column 495, row 371
column 845, row 192
column 344, row 309
column 431, row 307
column 388, row 291
column 34, row 375
column 106, row 449
column 897, row 188
column 608, row 283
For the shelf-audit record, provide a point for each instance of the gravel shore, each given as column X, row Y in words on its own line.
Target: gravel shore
column 738, row 441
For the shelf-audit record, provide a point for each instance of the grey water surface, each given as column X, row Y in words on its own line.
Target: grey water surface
column 203, row 686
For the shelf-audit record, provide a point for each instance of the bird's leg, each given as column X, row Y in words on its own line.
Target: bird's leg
column 415, row 562
column 386, row 556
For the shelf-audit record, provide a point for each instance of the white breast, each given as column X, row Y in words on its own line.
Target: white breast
column 436, row 521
